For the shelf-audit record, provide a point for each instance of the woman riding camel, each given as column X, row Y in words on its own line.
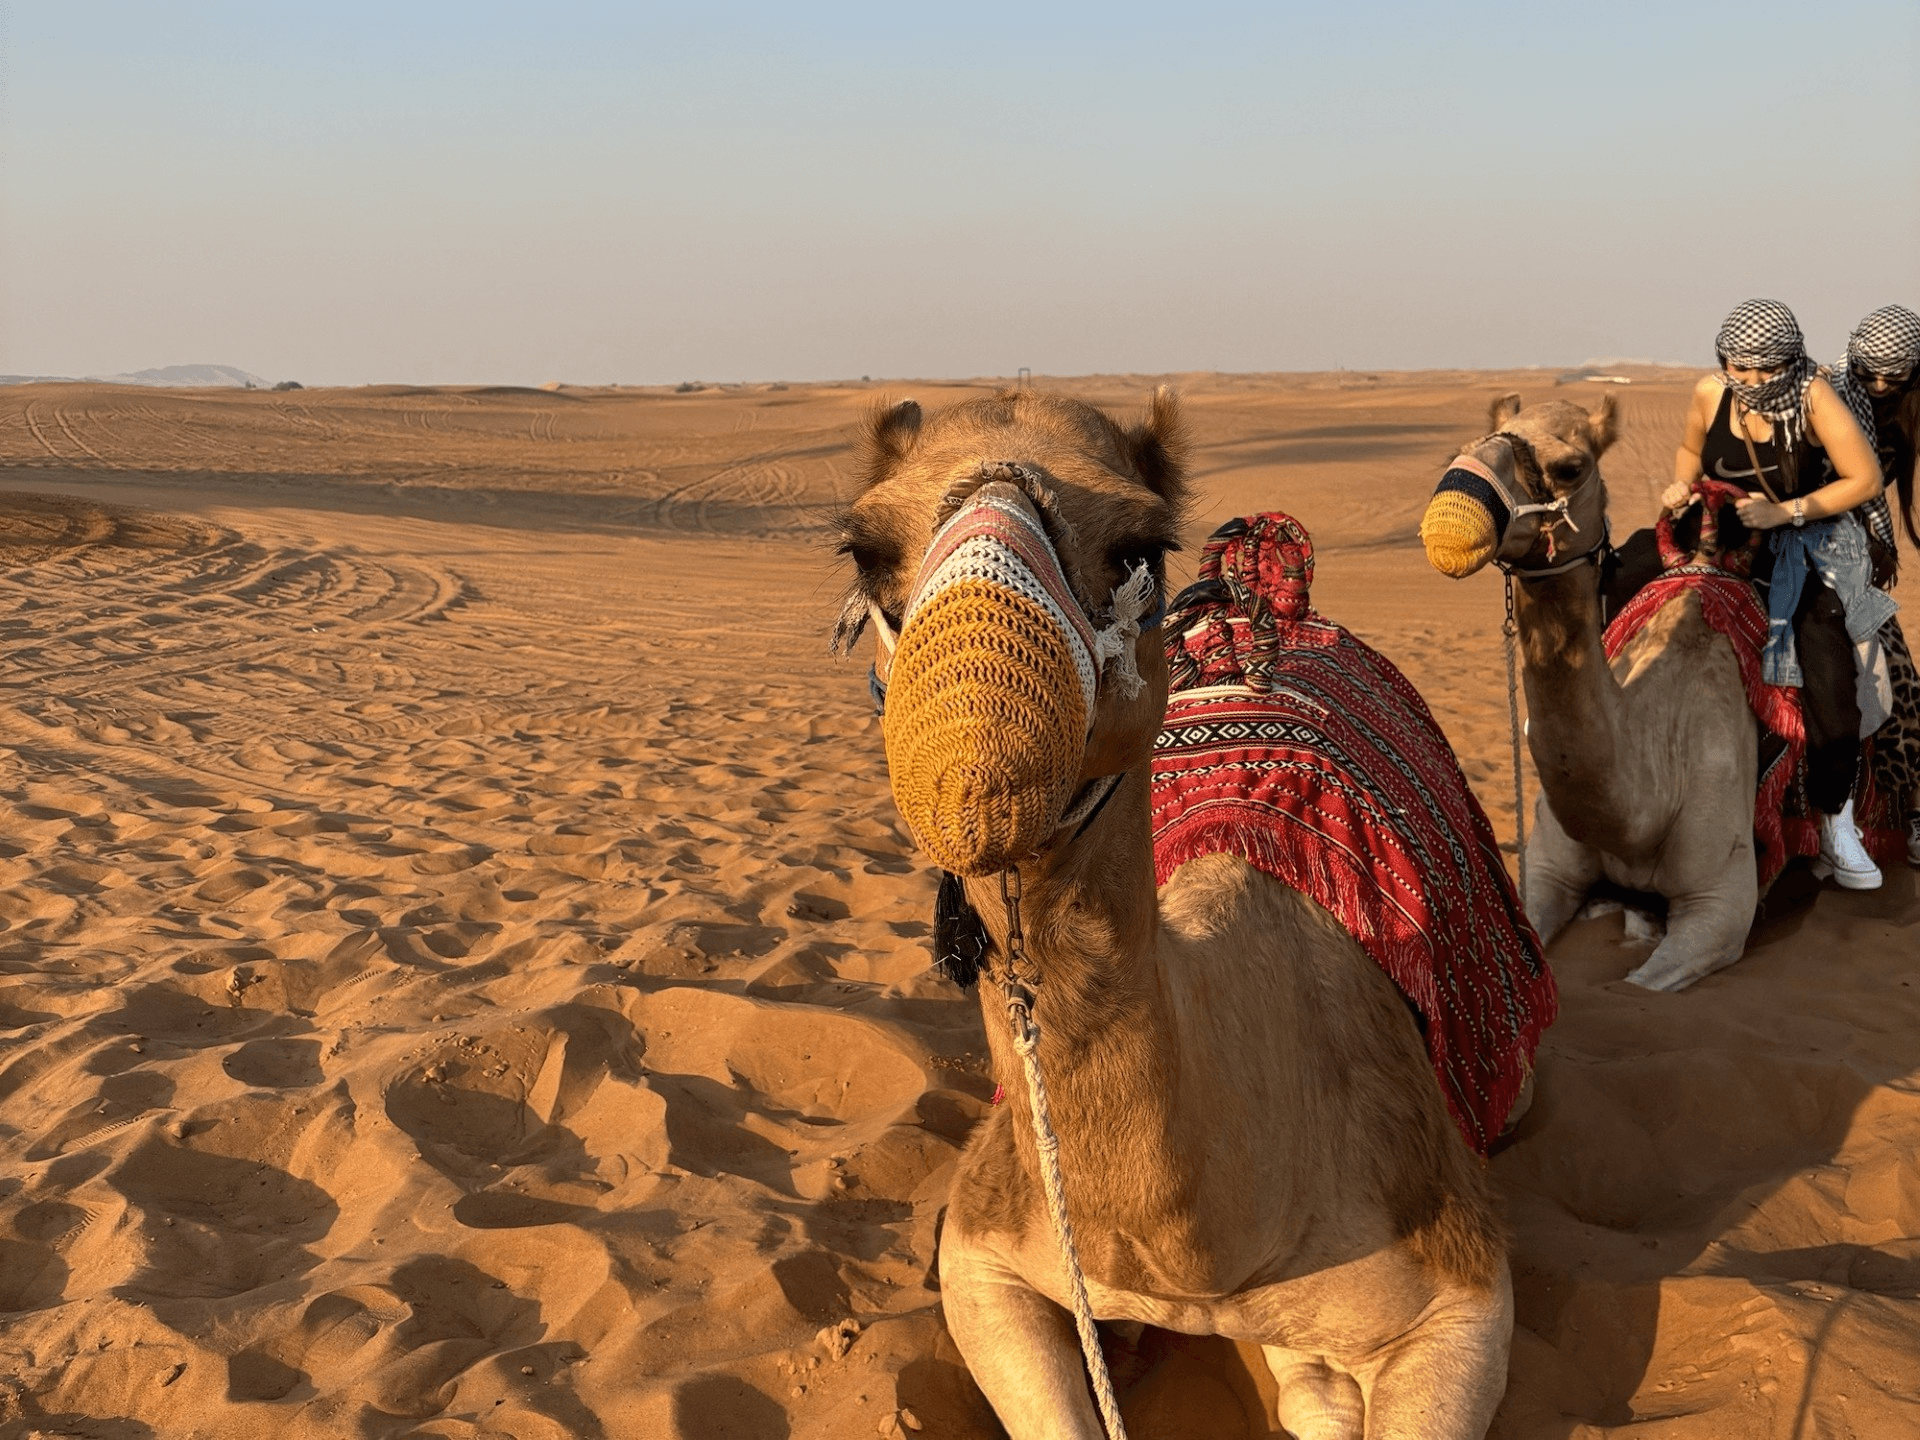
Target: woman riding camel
column 1769, row 422
column 1881, row 375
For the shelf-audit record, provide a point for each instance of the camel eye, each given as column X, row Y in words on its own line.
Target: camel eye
column 876, row 561
column 1566, row 469
column 875, row 554
column 867, row 559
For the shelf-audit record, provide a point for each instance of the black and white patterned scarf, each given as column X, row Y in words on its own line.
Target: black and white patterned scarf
column 1763, row 335
column 1887, row 342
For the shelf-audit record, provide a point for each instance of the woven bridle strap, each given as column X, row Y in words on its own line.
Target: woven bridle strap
column 1471, row 475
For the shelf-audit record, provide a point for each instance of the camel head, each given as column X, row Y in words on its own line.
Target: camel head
column 1525, row 494
column 1010, row 557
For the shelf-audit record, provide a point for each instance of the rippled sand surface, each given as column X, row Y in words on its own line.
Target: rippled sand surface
column 461, row 973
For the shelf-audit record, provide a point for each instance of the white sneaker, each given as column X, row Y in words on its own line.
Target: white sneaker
column 1842, row 855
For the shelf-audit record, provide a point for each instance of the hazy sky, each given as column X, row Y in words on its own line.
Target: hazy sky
column 344, row 192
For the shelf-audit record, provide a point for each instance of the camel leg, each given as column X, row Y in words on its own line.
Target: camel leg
column 1443, row 1380
column 1706, row 931
column 1020, row 1346
column 1560, row 872
column 1317, row 1402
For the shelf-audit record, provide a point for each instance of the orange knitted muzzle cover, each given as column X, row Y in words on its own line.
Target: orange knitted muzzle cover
column 991, row 691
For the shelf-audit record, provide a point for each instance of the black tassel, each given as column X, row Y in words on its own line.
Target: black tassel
column 960, row 942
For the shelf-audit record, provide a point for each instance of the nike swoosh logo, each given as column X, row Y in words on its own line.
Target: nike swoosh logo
column 1721, row 472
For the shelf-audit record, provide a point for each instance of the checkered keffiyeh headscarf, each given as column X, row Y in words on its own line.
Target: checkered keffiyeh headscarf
column 1874, row 513
column 1763, row 335
column 1887, row 342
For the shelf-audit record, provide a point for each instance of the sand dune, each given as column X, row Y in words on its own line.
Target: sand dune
column 461, row 973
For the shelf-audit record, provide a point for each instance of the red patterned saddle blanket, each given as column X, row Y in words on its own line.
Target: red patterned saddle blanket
column 1293, row 745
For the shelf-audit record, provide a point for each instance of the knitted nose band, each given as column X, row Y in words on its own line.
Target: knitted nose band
column 996, row 538
column 990, row 691
column 993, row 683
column 1469, row 512
column 1008, row 545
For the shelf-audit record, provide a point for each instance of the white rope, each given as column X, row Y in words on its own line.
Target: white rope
column 1016, row 983
column 1510, row 629
column 1026, row 1039
column 1130, row 601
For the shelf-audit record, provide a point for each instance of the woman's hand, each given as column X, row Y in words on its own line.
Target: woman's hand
column 1677, row 496
column 1759, row 513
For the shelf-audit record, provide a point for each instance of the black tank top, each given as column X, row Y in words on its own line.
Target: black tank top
column 1723, row 456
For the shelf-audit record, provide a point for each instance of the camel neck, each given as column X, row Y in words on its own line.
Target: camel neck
column 1091, row 924
column 1088, row 917
column 1574, row 707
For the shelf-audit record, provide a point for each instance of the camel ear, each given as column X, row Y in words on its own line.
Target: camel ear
column 1503, row 410
column 1158, row 446
column 1605, row 424
column 890, row 435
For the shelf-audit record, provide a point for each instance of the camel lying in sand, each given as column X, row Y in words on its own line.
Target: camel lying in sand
column 1252, row 1138
column 1647, row 766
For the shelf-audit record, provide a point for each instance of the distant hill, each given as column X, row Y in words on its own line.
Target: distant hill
column 180, row 375
column 188, row 375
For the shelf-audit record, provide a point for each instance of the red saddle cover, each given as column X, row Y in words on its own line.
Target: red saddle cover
column 1293, row 745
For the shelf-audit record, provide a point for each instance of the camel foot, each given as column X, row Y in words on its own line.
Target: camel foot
column 1668, row 973
column 1638, row 927
column 1317, row 1402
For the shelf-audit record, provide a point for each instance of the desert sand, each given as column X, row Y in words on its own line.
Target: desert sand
column 461, row 972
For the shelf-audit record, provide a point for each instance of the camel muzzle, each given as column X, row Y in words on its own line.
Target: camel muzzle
column 1466, row 519
column 990, row 693
column 984, row 728
column 1473, row 509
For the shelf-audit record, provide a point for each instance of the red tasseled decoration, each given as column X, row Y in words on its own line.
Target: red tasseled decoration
column 1714, row 496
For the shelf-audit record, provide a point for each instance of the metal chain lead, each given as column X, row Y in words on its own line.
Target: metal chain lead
column 1510, row 630
column 1026, row 1039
